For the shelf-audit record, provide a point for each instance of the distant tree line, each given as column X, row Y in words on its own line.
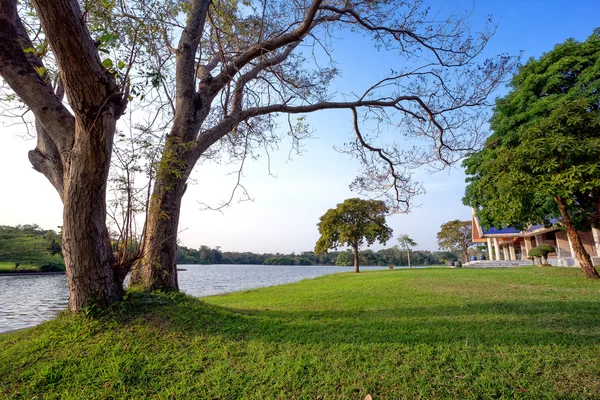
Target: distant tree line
column 385, row 257
column 31, row 245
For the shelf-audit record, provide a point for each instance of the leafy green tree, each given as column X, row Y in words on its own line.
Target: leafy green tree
column 206, row 255
column 543, row 158
column 344, row 259
column 352, row 223
column 456, row 236
column 406, row 243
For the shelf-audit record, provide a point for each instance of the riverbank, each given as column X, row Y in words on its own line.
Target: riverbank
column 8, row 269
column 27, row 273
column 424, row 333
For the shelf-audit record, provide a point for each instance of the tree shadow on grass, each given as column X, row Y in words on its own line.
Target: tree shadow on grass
column 572, row 323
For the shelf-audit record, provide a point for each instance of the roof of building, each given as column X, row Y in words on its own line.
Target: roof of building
column 480, row 233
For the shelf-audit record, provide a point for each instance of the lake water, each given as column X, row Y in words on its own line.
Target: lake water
column 27, row 300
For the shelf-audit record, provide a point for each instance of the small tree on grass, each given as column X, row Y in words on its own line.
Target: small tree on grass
column 540, row 252
column 352, row 223
column 406, row 243
column 456, row 235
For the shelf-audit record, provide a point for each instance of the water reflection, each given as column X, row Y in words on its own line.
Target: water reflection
column 27, row 300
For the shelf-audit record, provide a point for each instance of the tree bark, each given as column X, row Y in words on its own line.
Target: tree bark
column 356, row 260
column 86, row 242
column 584, row 259
column 97, row 103
column 157, row 268
column 408, row 257
column 73, row 151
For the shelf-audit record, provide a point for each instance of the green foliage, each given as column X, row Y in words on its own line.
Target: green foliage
column 456, row 236
column 382, row 257
column 52, row 266
column 30, row 245
column 283, row 260
column 545, row 143
column 541, row 251
column 344, row 259
column 352, row 223
column 279, row 261
column 518, row 333
column 406, row 242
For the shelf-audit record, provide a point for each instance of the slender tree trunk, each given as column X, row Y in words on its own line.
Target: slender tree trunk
column 583, row 257
column 157, row 268
column 86, row 242
column 356, row 262
column 408, row 257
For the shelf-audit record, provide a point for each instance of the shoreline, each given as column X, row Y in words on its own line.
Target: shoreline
column 30, row 273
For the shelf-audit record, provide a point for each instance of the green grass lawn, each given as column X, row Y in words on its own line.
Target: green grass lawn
column 424, row 333
column 10, row 267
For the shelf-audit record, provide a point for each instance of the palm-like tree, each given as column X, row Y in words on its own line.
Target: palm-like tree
column 406, row 243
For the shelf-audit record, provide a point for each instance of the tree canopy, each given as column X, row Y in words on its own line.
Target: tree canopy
column 406, row 243
column 543, row 159
column 554, row 100
column 456, row 235
column 352, row 223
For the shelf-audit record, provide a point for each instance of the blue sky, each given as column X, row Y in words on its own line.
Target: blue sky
column 285, row 211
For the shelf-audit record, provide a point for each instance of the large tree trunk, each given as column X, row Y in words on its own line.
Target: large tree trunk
column 408, row 257
column 73, row 149
column 86, row 242
column 585, row 261
column 356, row 261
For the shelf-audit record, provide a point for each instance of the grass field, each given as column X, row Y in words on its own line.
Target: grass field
column 425, row 333
column 10, row 267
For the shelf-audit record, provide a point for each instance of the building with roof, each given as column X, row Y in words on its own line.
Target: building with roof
column 513, row 244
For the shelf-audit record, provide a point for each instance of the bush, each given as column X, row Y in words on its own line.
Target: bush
column 52, row 266
column 303, row 261
column 344, row 259
column 283, row 260
column 541, row 251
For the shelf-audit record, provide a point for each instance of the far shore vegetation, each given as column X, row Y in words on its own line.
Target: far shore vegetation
column 384, row 257
column 30, row 248
column 524, row 333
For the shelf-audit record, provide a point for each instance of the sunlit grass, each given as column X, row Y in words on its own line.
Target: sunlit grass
column 10, row 267
column 424, row 333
